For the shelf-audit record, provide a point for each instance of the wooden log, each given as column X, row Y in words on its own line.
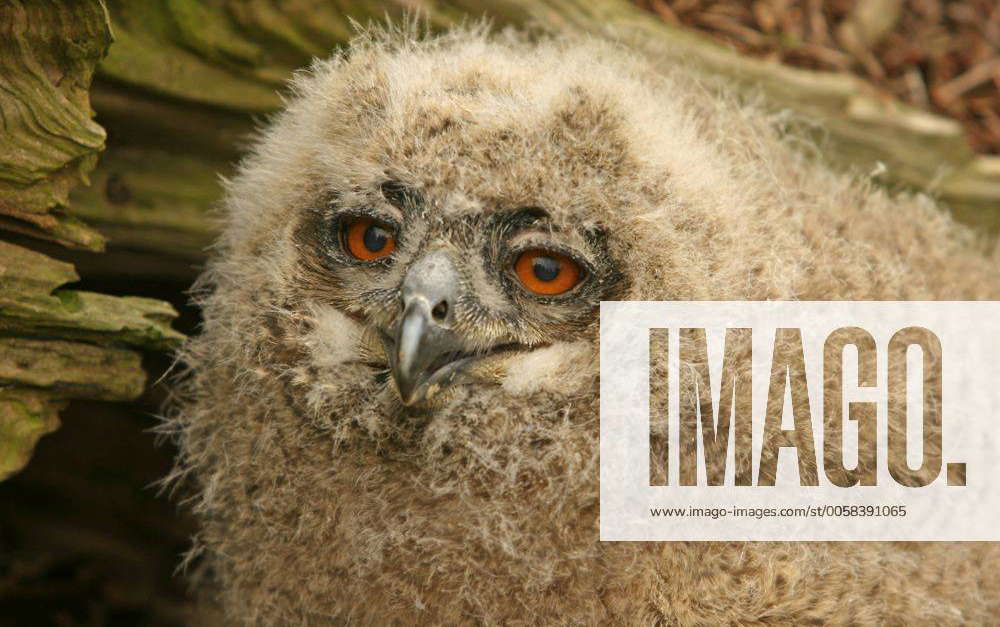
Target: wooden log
column 57, row 344
column 49, row 144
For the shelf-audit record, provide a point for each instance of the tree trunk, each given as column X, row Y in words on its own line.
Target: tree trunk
column 178, row 92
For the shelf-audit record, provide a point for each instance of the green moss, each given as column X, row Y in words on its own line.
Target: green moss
column 30, row 305
column 57, row 344
column 154, row 199
column 65, row 370
column 49, row 142
column 47, row 123
column 205, row 31
column 25, row 416
column 139, row 59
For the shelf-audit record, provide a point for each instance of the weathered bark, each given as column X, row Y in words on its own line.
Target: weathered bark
column 56, row 344
column 59, row 344
column 48, row 52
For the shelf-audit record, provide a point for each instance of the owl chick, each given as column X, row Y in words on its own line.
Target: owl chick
column 391, row 413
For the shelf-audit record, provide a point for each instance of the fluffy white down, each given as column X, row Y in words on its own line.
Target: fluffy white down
column 560, row 368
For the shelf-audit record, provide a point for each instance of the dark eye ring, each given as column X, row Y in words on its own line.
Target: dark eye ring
column 367, row 239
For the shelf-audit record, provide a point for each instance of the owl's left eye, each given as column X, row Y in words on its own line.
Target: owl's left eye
column 367, row 239
column 546, row 272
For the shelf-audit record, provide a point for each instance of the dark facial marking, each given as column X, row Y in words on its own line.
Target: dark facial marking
column 330, row 274
column 403, row 197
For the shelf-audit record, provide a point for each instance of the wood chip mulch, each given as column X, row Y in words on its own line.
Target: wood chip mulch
column 939, row 55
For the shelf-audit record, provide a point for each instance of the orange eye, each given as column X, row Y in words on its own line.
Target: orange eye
column 368, row 240
column 545, row 272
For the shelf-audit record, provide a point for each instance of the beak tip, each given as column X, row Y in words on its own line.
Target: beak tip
column 407, row 394
column 418, row 345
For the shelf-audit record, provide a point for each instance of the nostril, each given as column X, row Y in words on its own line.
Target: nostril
column 440, row 311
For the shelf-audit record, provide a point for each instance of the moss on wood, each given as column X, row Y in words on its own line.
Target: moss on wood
column 71, row 369
column 152, row 198
column 32, row 306
column 25, row 416
column 48, row 51
column 57, row 344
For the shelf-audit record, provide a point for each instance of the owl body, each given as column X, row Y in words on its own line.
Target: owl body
column 391, row 414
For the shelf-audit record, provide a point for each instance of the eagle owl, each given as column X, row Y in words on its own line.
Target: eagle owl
column 391, row 415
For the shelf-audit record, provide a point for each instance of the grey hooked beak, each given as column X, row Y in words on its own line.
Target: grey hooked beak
column 424, row 352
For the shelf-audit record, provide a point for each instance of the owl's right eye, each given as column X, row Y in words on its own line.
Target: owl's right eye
column 367, row 239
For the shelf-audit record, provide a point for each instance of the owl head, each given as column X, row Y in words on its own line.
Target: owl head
column 430, row 226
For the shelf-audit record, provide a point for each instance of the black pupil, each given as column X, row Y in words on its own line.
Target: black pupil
column 376, row 238
column 545, row 268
